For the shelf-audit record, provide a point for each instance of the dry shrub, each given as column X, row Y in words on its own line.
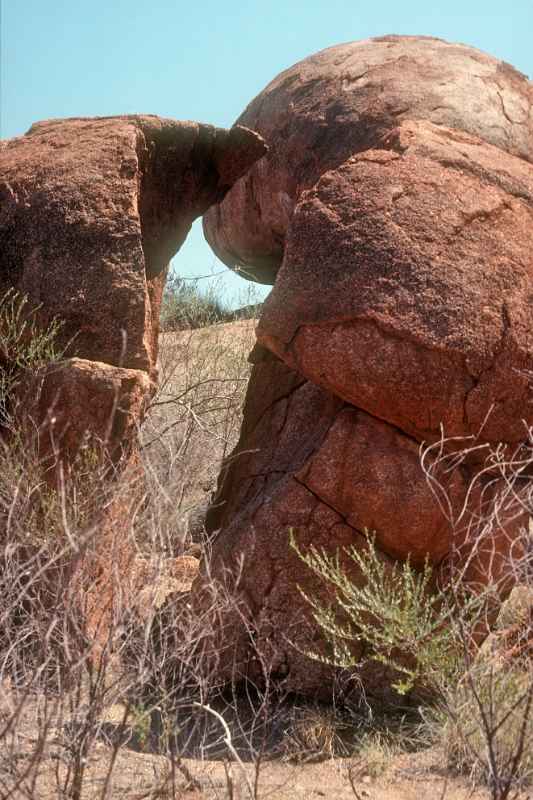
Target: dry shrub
column 85, row 656
column 186, row 305
column 192, row 425
column 98, row 643
column 315, row 732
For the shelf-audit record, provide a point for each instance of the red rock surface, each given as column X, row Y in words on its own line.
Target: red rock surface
column 91, row 211
column 406, row 285
column 84, row 403
column 309, row 465
column 361, row 468
column 342, row 101
column 394, row 211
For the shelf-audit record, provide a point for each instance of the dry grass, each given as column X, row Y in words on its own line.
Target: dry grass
column 316, row 732
column 131, row 707
column 78, row 638
column 193, row 424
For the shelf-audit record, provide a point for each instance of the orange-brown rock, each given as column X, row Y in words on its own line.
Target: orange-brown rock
column 406, row 285
column 83, row 403
column 359, row 467
column 342, row 101
column 310, row 465
column 394, row 215
column 91, row 212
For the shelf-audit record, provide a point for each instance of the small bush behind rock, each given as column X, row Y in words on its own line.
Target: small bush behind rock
column 186, row 305
column 24, row 344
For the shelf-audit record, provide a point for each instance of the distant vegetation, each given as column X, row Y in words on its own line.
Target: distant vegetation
column 187, row 305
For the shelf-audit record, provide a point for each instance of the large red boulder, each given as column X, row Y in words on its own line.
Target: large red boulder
column 310, row 466
column 342, row 101
column 394, row 215
column 91, row 212
column 406, row 285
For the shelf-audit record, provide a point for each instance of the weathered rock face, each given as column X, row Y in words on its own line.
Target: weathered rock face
column 342, row 458
column 328, row 473
column 91, row 211
column 406, row 285
column 79, row 400
column 342, row 101
column 395, row 211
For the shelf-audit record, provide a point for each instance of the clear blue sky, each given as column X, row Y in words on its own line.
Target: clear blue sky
column 206, row 59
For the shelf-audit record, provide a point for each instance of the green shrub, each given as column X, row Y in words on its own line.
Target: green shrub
column 476, row 703
column 404, row 621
